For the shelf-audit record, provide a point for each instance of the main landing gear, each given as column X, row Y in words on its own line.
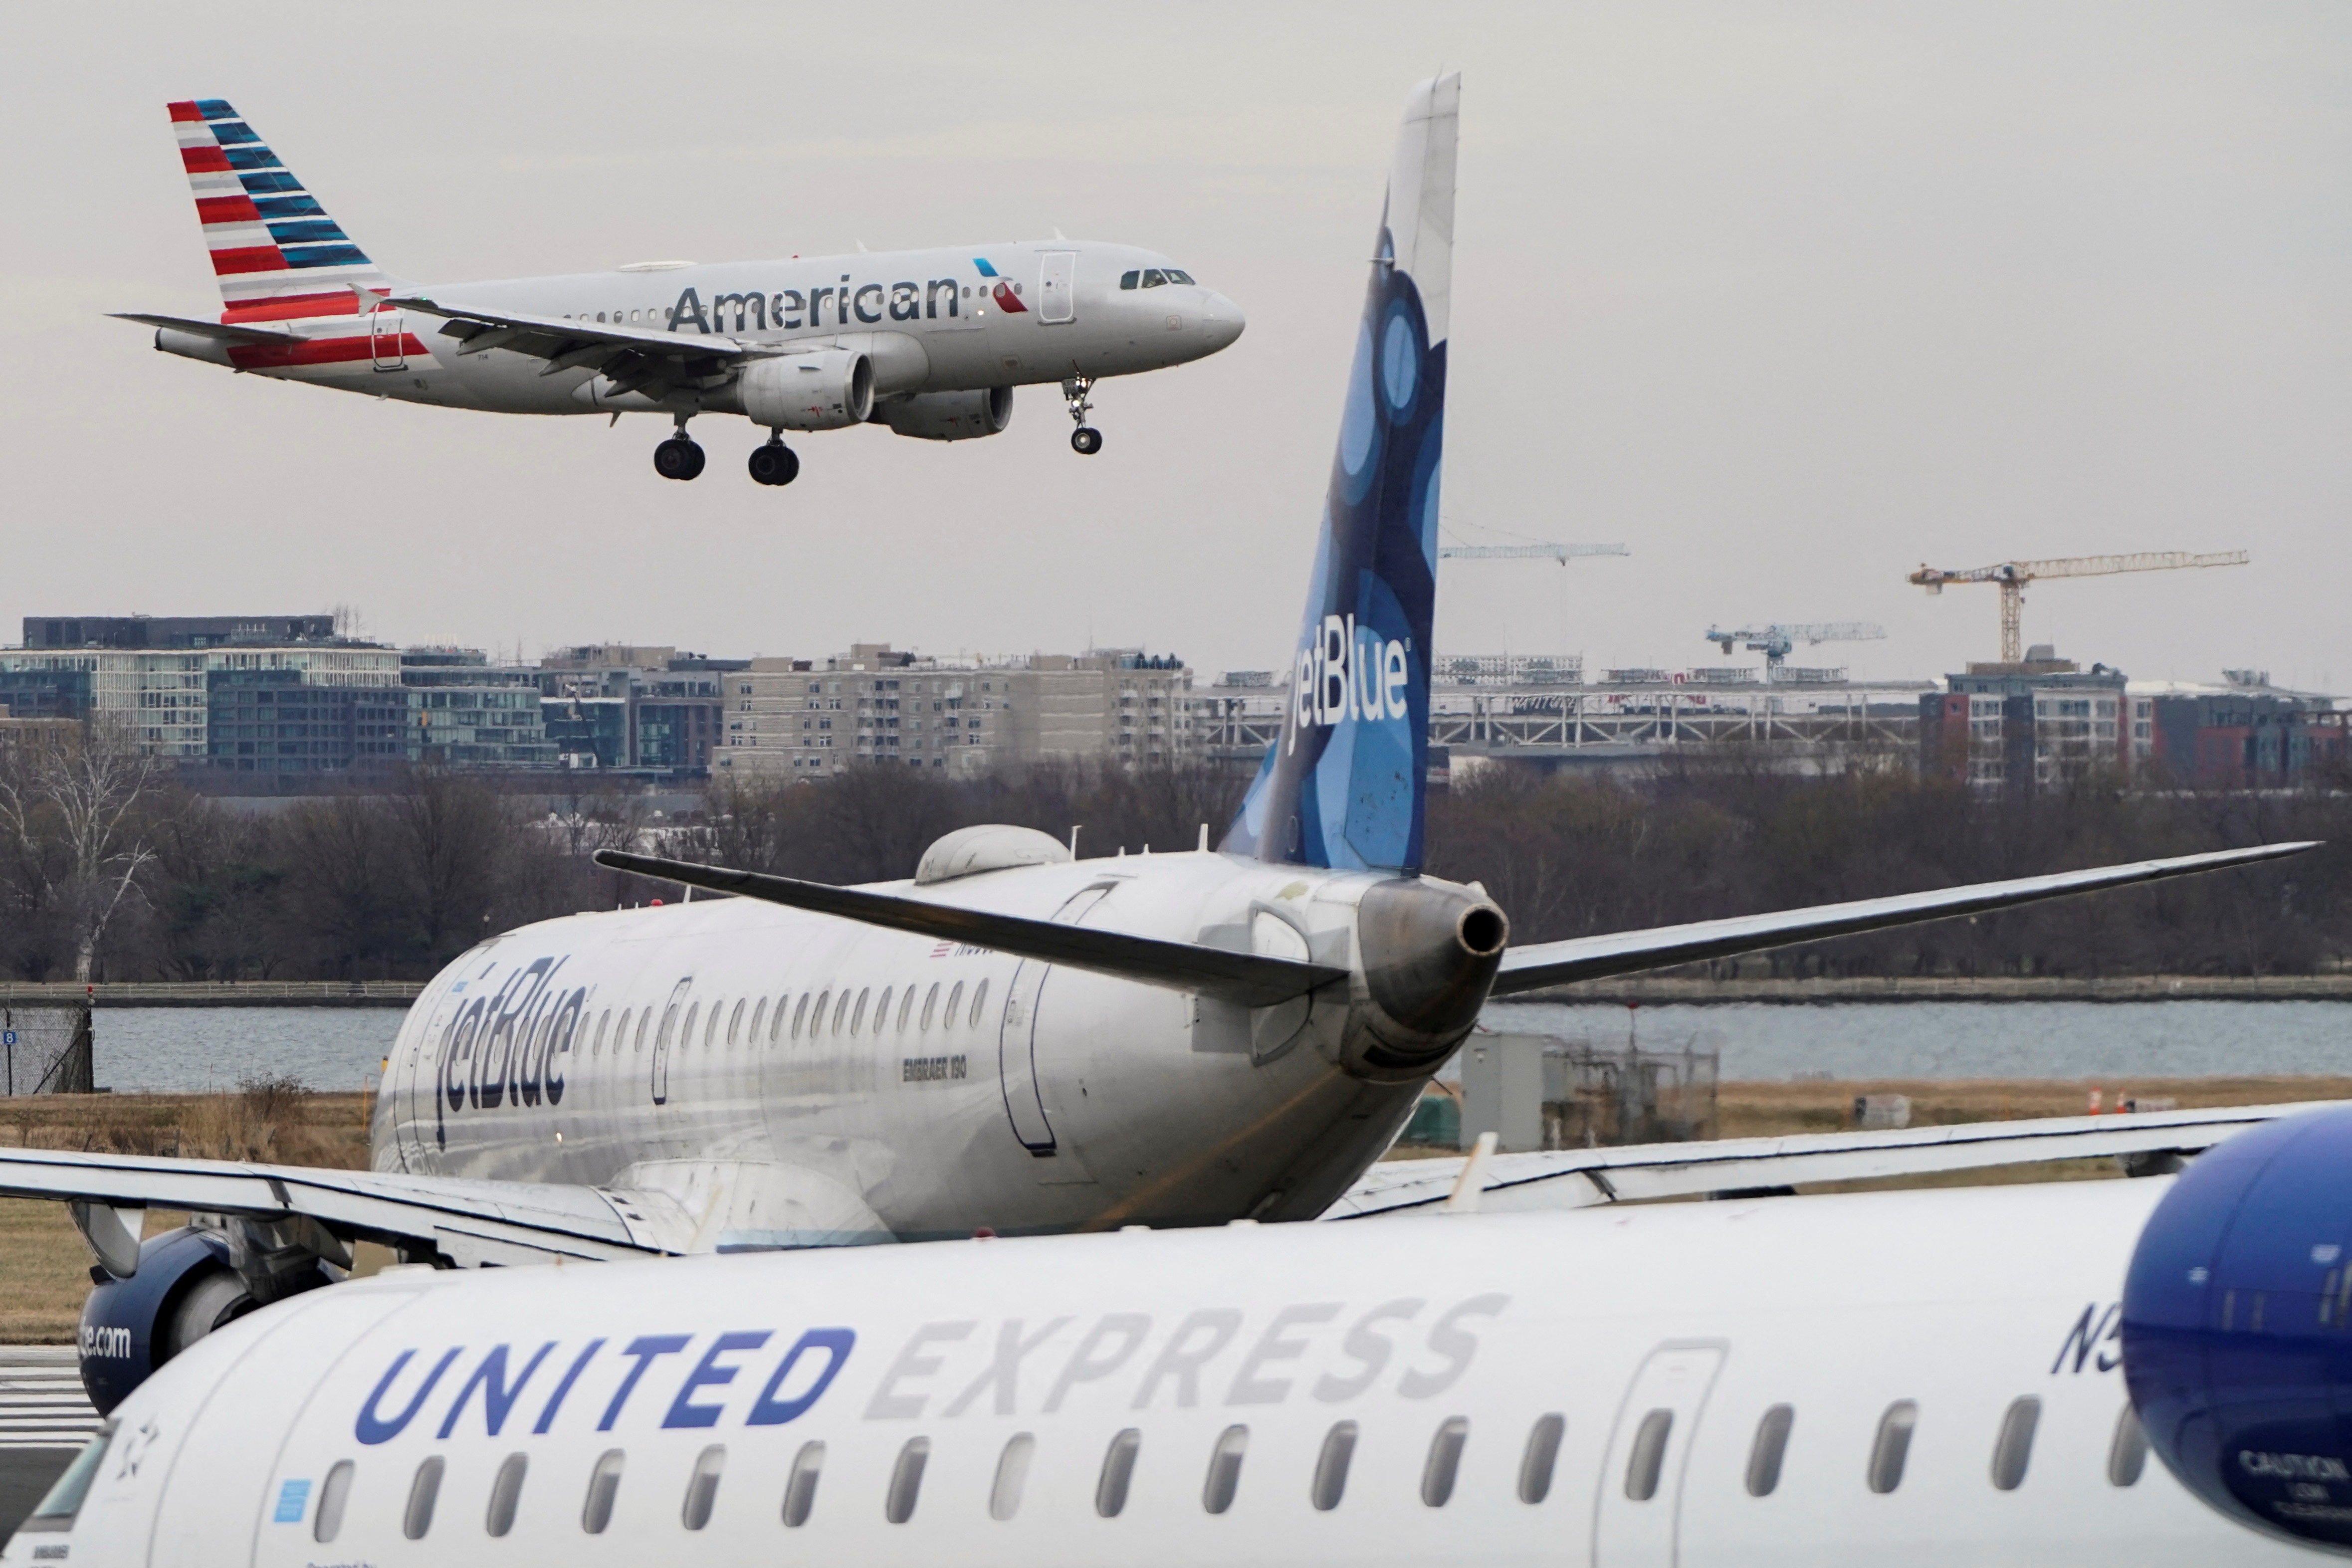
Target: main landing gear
column 678, row 457
column 775, row 464
column 1086, row 441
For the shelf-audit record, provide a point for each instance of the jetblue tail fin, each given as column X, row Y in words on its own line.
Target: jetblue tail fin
column 276, row 252
column 1344, row 785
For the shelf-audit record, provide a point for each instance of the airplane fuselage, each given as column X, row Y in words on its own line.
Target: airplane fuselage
column 847, row 1082
column 930, row 321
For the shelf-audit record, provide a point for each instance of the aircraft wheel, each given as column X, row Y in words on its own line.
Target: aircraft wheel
column 677, row 458
column 775, row 464
column 1086, row 441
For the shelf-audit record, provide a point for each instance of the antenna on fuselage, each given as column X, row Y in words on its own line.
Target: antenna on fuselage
column 1073, row 840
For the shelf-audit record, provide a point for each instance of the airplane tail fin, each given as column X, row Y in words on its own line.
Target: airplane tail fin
column 1344, row 785
column 276, row 252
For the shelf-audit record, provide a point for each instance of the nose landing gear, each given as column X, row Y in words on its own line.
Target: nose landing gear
column 1086, row 440
column 678, row 457
column 775, row 464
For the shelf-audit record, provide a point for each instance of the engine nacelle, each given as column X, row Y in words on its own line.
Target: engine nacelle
column 187, row 1285
column 831, row 390
column 949, row 416
column 2237, row 1329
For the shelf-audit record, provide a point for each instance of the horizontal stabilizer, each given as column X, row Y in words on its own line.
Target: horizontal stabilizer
column 1247, row 979
column 1579, row 1178
column 216, row 329
column 1544, row 963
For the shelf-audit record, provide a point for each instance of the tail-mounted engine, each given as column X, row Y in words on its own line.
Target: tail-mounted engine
column 2237, row 1329
column 187, row 1283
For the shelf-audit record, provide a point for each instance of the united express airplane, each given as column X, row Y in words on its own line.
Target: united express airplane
column 928, row 342
column 1013, row 1041
column 1933, row 1378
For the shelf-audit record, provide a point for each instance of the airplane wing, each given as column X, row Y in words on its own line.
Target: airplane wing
column 1579, row 1178
column 568, row 344
column 471, row 1222
column 1543, row 964
column 217, row 330
column 1249, row 978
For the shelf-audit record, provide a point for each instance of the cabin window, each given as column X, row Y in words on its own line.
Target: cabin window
column 506, row 1491
column 702, row 1487
column 803, row 1008
column 800, row 1487
column 1128, row 280
column 954, row 997
column 979, row 1000
column 333, row 1494
column 1891, row 1446
column 1540, row 1455
column 603, row 1023
column 685, row 1035
column 906, row 1006
column 776, row 1024
column 816, row 1019
column 600, row 315
column 1224, row 1476
column 881, row 1013
column 1330, row 1482
column 1117, row 1470
column 710, row 1030
column 645, row 1020
column 907, row 1481
column 604, row 1486
column 930, row 1004
column 1647, row 1460
column 735, row 1020
column 2014, row 1448
column 1770, row 1446
column 2128, row 1453
column 857, row 1018
column 841, row 1010
column 759, row 1017
column 1011, row 1475
column 422, row 1491
column 1444, row 1461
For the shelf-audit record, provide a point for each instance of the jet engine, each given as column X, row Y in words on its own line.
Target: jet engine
column 2237, row 1329
column 949, row 416
column 827, row 391
column 187, row 1283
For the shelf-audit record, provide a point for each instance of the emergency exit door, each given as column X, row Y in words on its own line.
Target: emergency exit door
column 1636, row 1518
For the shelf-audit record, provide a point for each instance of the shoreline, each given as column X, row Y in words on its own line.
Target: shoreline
column 1681, row 991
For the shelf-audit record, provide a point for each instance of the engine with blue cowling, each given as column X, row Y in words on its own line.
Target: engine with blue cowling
column 187, row 1283
column 2237, row 1328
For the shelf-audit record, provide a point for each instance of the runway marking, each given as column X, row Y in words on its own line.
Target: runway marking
column 42, row 1404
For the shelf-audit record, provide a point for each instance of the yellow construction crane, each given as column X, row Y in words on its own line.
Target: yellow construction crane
column 2013, row 575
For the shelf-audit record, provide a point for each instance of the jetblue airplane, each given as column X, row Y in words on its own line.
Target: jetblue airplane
column 1013, row 1041
column 928, row 342
column 1934, row 1378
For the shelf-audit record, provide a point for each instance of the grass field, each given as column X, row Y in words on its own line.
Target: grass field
column 44, row 1267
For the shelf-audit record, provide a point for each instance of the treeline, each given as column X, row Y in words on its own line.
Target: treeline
column 108, row 871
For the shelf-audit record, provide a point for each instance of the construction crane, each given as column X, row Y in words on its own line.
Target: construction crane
column 1776, row 640
column 2013, row 575
column 1541, row 552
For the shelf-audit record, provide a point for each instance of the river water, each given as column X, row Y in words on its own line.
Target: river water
column 339, row 1048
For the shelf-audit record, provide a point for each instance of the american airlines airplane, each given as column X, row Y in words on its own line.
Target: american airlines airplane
column 1013, row 1041
column 928, row 342
column 1933, row 1378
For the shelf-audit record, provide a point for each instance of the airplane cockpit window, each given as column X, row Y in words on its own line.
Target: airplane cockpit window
column 58, row 1506
column 1153, row 277
column 422, row 1492
column 2128, row 1454
column 1176, row 276
column 1771, row 1445
column 1892, row 1446
column 1542, row 1453
column 2014, row 1449
column 1648, row 1458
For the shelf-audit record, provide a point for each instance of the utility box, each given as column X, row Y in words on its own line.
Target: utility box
column 1882, row 1113
column 1503, row 1091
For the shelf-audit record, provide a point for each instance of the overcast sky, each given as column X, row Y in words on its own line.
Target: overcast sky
column 1789, row 299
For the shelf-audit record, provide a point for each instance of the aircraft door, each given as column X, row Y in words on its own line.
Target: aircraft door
column 387, row 331
column 1057, row 296
column 661, row 1040
column 420, row 1063
column 1016, row 1038
column 1635, row 1519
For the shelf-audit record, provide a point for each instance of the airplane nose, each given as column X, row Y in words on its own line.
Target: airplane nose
column 1222, row 321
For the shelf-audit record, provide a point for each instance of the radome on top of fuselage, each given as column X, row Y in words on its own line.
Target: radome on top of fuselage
column 947, row 1086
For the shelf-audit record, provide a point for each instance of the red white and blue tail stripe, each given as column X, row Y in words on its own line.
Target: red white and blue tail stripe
column 276, row 254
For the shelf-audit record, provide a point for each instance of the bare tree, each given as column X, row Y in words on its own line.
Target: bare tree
column 72, row 804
